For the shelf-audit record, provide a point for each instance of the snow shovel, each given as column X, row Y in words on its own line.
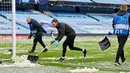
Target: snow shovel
column 34, row 58
column 104, row 44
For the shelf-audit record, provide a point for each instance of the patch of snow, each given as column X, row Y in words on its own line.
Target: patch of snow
column 124, row 72
column 90, row 70
column 20, row 61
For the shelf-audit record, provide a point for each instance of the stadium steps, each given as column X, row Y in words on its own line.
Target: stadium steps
column 94, row 18
column 92, row 1
column 101, row 21
column 97, row 19
column 48, row 13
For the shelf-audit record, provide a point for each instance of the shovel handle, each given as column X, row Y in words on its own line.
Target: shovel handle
column 43, row 49
column 47, row 45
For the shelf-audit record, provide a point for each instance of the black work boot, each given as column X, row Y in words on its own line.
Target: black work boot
column 45, row 50
column 62, row 59
column 117, row 63
column 85, row 52
column 123, row 60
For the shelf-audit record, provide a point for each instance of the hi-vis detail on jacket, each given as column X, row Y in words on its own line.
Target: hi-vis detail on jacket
column 34, row 31
column 121, row 24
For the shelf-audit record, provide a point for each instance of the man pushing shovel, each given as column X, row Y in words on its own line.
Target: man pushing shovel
column 36, row 30
column 64, row 29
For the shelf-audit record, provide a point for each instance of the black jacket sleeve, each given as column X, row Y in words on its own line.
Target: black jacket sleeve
column 61, row 32
column 38, row 26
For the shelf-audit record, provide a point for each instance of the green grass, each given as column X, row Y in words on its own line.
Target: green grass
column 102, row 60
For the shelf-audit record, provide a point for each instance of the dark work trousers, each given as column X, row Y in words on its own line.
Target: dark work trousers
column 121, row 42
column 69, row 42
column 37, row 38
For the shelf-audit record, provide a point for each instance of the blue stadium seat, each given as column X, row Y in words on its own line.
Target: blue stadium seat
column 111, row 1
column 82, row 24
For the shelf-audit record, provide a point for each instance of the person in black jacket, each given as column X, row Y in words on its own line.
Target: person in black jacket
column 64, row 29
column 36, row 31
column 121, row 24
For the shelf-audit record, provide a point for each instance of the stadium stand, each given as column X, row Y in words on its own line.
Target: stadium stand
column 111, row 1
column 21, row 20
column 6, row 27
column 98, row 18
column 98, row 1
column 75, row 0
column 105, row 19
column 82, row 23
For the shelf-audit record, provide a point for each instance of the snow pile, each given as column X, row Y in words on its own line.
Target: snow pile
column 21, row 61
column 84, row 70
column 124, row 72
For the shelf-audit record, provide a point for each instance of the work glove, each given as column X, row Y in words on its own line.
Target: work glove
column 29, row 37
column 56, row 42
column 52, row 41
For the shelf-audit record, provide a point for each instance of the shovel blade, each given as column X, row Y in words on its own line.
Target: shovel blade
column 0, row 62
column 104, row 44
column 32, row 58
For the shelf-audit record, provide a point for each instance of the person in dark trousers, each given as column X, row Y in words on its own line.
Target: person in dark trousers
column 64, row 29
column 37, row 31
column 121, row 24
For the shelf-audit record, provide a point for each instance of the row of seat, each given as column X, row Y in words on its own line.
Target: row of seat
column 6, row 25
column 84, row 24
column 111, row 1
column 81, row 23
column 99, row 1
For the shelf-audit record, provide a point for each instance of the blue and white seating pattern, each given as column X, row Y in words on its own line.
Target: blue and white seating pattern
column 82, row 24
column 99, row 1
